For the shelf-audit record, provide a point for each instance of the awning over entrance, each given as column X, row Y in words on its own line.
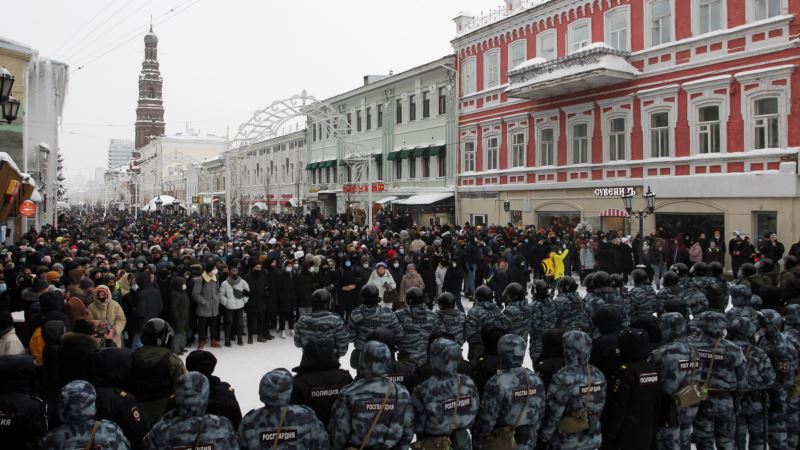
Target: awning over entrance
column 613, row 213
column 424, row 199
column 386, row 200
column 259, row 205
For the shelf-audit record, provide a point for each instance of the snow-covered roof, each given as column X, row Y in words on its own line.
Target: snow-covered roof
column 592, row 46
column 530, row 63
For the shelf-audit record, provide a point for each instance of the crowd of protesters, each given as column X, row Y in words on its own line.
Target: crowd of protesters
column 147, row 290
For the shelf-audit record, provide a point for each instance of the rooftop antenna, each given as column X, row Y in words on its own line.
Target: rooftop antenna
column 151, row 23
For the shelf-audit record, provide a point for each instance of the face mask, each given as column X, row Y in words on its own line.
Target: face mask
column 295, row 266
column 22, row 260
column 289, row 269
column 3, row 287
column 396, row 265
column 365, row 265
column 455, row 264
column 135, row 287
column 234, row 277
column 214, row 271
column 312, row 269
column 347, row 264
column 183, row 287
column 164, row 258
column 402, row 251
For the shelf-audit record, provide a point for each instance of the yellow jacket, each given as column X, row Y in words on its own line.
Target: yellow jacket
column 558, row 263
column 548, row 267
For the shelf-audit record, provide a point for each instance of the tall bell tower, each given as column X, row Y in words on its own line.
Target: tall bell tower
column 150, row 108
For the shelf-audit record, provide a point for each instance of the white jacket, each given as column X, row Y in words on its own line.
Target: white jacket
column 10, row 344
column 227, row 299
column 383, row 283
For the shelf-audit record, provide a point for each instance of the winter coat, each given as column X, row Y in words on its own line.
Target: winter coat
column 77, row 411
column 234, row 294
column 179, row 305
column 273, row 287
column 453, row 281
column 518, row 271
column 587, row 258
column 111, row 313
column 179, row 427
column 287, row 290
column 696, row 252
column 205, row 292
column 154, row 373
column 410, row 280
column 439, row 275
column 307, row 283
column 318, row 381
column 384, row 283
column 558, row 263
column 111, row 369
column 257, row 280
column 73, row 357
column 10, row 343
column 349, row 277
column 499, row 280
column 147, row 302
column 18, row 403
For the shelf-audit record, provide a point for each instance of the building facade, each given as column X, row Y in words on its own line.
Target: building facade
column 405, row 125
column 269, row 175
column 120, row 152
column 150, row 106
column 567, row 104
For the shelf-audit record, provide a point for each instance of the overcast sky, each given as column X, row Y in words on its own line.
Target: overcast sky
column 220, row 59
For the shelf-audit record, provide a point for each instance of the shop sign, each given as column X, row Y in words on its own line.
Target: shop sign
column 27, row 208
column 516, row 216
column 355, row 188
column 286, row 195
column 615, row 192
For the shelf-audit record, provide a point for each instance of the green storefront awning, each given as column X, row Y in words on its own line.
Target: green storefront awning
column 331, row 163
column 309, row 166
column 393, row 156
column 377, row 156
column 342, row 162
column 436, row 150
column 420, row 151
column 404, row 154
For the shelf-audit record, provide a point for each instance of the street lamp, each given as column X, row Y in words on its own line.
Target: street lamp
column 6, row 82
column 10, row 109
column 650, row 207
column 159, row 202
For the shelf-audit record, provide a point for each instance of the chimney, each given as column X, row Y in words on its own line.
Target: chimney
column 462, row 20
column 513, row 6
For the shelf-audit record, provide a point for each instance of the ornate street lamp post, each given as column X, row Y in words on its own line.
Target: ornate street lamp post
column 650, row 207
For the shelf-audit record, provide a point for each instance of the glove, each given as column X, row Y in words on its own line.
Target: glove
column 246, row 292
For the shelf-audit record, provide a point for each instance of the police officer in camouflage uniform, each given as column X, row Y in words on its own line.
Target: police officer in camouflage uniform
column 372, row 411
column 642, row 298
column 545, row 313
column 676, row 361
column 368, row 317
column 188, row 426
column 577, row 388
column 740, row 299
column 693, row 296
column 513, row 400
column 717, row 289
column 445, row 405
column 292, row 427
column 724, row 373
column 760, row 375
column 569, row 309
column 451, row 320
column 76, row 409
column 792, row 333
column 484, row 312
column 518, row 311
column 603, row 294
column 669, row 296
column 321, row 325
column 418, row 323
column 783, row 356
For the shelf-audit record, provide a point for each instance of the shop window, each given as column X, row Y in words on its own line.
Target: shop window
column 546, row 147
column 659, row 135
column 616, row 139
column 708, row 129
column 764, row 9
column 492, row 153
column 518, row 51
column 468, row 163
column 468, row 79
column 709, row 16
column 398, row 169
column 580, row 143
column 580, row 34
column 660, row 14
column 379, row 169
column 426, row 167
column 441, row 163
column 412, row 167
column 327, row 174
column 689, row 226
column 765, row 222
column 559, row 222
column 766, row 132
column 477, row 219
column 546, row 45
column 518, row 145
column 617, row 28
column 491, row 71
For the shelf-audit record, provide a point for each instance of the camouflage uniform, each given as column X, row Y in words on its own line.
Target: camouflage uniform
column 670, row 295
column 642, row 300
column 783, row 356
column 452, row 322
column 792, row 333
column 520, row 315
column 545, row 315
column 716, row 291
column 676, row 362
column 570, row 312
column 434, row 400
column 693, row 295
column 321, row 326
column 300, row 430
column 418, row 323
column 740, row 299
column 604, row 296
column 760, row 375
column 482, row 313
column 76, row 410
column 507, row 393
column 359, row 402
column 716, row 419
column 180, row 427
column 365, row 319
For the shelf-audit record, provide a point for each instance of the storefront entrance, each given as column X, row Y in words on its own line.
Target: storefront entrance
column 689, row 225
column 558, row 221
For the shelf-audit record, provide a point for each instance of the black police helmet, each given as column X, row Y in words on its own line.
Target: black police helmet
column 483, row 293
column 415, row 296
column 766, row 265
column 747, row 270
column 567, row 285
column 699, row 269
column 681, row 269
column 670, row 279
column 369, row 294
column 446, row 300
column 639, row 276
column 716, row 268
column 617, row 281
column 157, row 332
column 600, row 280
column 789, row 262
column 540, row 289
column 320, row 297
column 514, row 292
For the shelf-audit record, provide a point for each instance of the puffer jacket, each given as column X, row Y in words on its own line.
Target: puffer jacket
column 234, row 294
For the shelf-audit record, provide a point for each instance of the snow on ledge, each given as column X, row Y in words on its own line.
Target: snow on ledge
column 530, row 63
column 593, row 46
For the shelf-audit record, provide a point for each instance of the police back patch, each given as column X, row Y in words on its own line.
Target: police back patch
column 325, row 392
column 686, row 364
column 648, row 378
column 448, row 405
column 286, row 435
column 7, row 420
column 199, row 446
column 523, row 392
column 376, row 406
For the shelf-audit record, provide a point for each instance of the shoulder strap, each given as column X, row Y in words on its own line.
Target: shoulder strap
column 92, row 435
column 389, row 390
column 711, row 365
column 200, row 433
column 280, row 428
column 455, row 407
column 524, row 405
column 588, row 390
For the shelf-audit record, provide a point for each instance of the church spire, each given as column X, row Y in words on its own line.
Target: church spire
column 150, row 108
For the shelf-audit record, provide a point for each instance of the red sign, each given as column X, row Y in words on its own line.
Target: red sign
column 286, row 195
column 27, row 208
column 354, row 188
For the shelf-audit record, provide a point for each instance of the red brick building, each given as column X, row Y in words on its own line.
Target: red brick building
column 561, row 99
column 150, row 107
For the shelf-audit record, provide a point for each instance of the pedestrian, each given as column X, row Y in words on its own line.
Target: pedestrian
column 108, row 315
column 234, row 295
column 205, row 292
column 9, row 342
column 567, row 307
column 256, row 307
column 383, row 280
column 147, row 304
column 80, row 429
column 740, row 251
column 321, row 325
column 453, row 281
column 411, row 279
column 188, row 425
column 771, row 248
column 179, row 305
column 587, row 259
column 350, row 283
column 287, row 294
